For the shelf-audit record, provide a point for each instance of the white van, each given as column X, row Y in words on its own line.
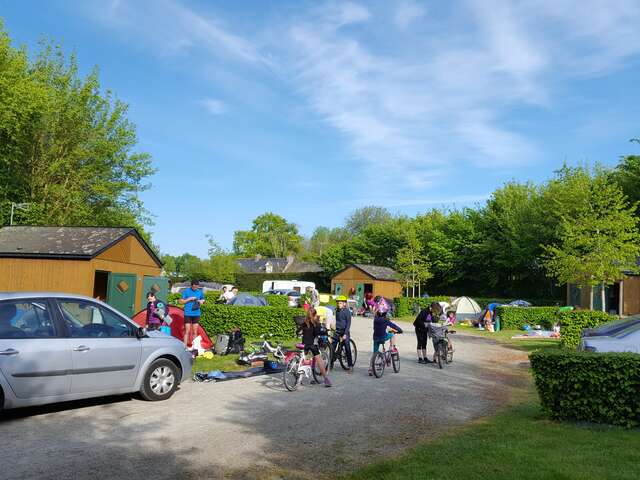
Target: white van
column 297, row 285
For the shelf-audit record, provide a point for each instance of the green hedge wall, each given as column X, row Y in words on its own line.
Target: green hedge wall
column 572, row 323
column 280, row 301
column 404, row 305
column 584, row 386
column 518, row 317
column 253, row 321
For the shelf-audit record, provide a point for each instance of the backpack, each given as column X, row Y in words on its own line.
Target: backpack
column 236, row 341
column 222, row 344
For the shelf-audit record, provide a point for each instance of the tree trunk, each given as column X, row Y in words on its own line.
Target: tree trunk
column 602, row 297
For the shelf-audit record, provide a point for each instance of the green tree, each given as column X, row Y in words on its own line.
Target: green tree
column 411, row 263
column 270, row 235
column 66, row 148
column 359, row 219
column 599, row 242
column 627, row 175
column 222, row 265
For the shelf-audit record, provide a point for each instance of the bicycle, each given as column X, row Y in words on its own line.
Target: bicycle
column 341, row 353
column 443, row 347
column 297, row 367
column 379, row 360
column 267, row 347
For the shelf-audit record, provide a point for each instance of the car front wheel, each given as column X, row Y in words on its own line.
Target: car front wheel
column 160, row 380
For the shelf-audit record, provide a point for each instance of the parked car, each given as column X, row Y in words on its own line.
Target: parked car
column 617, row 336
column 293, row 296
column 56, row 347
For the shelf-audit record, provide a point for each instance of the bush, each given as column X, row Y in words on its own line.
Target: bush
column 280, row 301
column 404, row 305
column 518, row 317
column 572, row 323
column 584, row 386
column 253, row 321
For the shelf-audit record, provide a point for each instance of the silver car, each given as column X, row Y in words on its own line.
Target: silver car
column 57, row 347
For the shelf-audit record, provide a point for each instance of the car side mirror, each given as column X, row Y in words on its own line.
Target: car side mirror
column 140, row 333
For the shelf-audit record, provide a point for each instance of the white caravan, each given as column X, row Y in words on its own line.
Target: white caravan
column 297, row 285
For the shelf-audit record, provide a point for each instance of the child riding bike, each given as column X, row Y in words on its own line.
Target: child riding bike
column 380, row 325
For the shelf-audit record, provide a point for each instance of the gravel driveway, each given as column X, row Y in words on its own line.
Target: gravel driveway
column 253, row 428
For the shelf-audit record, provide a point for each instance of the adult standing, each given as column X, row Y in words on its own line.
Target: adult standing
column 192, row 299
column 421, row 325
column 343, row 330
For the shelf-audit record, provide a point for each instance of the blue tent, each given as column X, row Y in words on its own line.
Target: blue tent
column 244, row 300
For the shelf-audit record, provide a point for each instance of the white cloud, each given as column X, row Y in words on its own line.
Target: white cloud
column 407, row 13
column 213, row 106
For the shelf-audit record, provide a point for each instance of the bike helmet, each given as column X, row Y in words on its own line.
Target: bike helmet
column 341, row 298
column 382, row 306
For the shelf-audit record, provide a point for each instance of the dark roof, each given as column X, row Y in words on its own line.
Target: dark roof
column 80, row 243
column 253, row 265
column 280, row 265
column 374, row 271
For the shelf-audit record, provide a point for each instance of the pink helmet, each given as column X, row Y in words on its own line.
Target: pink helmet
column 382, row 306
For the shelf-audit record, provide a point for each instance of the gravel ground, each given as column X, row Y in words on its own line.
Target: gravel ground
column 253, row 428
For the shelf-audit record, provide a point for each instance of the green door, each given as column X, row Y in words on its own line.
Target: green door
column 157, row 285
column 338, row 289
column 360, row 293
column 121, row 292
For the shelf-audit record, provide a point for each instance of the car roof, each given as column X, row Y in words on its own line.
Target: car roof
column 35, row 294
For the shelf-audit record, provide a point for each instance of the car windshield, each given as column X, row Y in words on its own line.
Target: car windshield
column 633, row 328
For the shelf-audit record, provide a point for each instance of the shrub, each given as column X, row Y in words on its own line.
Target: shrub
column 404, row 305
column 584, row 386
column 280, row 301
column 518, row 317
column 572, row 323
column 253, row 321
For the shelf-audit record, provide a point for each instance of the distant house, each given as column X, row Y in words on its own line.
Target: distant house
column 270, row 265
column 366, row 278
column 112, row 263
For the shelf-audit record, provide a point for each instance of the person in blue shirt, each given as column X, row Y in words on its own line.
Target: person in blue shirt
column 192, row 299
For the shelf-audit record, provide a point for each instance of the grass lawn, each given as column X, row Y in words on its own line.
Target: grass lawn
column 519, row 443
column 503, row 336
column 228, row 362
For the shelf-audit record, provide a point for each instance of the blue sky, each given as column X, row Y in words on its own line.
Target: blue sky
column 311, row 109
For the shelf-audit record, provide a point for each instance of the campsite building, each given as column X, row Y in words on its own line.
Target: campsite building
column 113, row 264
column 621, row 298
column 367, row 278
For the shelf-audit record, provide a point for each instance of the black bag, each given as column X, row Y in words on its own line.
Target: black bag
column 236, row 341
column 195, row 306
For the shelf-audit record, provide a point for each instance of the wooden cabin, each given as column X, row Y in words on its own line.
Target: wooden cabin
column 621, row 298
column 366, row 278
column 113, row 264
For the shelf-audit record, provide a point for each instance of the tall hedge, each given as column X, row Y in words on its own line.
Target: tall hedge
column 584, row 386
column 572, row 324
column 518, row 317
column 253, row 321
column 404, row 305
column 280, row 301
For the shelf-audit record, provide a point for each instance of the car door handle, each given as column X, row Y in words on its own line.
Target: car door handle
column 9, row 351
column 81, row 348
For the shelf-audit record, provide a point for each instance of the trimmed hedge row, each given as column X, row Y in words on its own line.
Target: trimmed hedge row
column 592, row 387
column 404, row 305
column 518, row 317
column 253, row 321
column 572, row 323
column 280, row 301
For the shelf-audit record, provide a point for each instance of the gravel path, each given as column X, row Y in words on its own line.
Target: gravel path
column 253, row 428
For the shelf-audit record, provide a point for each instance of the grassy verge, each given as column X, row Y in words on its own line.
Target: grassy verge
column 518, row 443
column 229, row 362
column 503, row 336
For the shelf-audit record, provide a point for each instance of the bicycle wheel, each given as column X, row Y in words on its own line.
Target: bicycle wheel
column 449, row 352
column 377, row 364
column 395, row 360
column 343, row 355
column 439, row 355
column 317, row 376
column 290, row 375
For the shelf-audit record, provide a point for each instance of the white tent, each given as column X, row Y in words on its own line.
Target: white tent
column 466, row 308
